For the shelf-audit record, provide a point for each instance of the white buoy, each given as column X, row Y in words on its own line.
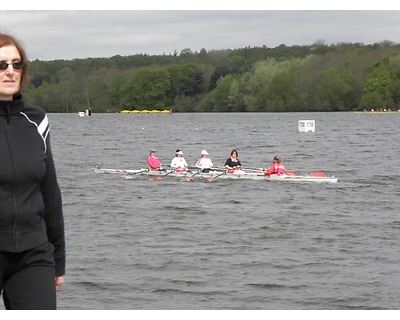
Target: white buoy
column 306, row 125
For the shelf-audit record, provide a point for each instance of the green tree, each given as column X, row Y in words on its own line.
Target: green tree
column 344, row 76
column 272, row 85
column 336, row 90
column 116, row 92
column 238, row 94
column 48, row 97
column 149, row 89
column 186, row 80
column 97, row 95
column 221, row 94
column 282, row 94
column 377, row 90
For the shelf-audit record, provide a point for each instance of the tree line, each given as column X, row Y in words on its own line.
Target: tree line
column 319, row 77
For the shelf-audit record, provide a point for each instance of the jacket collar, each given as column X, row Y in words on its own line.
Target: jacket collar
column 12, row 107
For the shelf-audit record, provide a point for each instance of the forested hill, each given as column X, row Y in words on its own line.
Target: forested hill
column 340, row 77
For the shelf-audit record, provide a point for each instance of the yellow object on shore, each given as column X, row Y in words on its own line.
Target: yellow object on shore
column 169, row 111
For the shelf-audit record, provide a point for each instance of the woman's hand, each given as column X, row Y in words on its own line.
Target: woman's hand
column 59, row 282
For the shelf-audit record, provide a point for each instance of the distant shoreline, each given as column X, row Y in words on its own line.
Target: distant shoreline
column 378, row 112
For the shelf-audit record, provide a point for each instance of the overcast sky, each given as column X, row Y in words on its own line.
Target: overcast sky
column 70, row 34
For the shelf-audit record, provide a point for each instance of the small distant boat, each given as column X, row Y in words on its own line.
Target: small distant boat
column 87, row 113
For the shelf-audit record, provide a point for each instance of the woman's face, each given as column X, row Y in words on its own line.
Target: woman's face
column 10, row 78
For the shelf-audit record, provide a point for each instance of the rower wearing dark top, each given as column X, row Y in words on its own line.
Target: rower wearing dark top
column 233, row 163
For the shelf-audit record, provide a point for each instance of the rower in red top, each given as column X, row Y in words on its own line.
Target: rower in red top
column 277, row 167
column 154, row 162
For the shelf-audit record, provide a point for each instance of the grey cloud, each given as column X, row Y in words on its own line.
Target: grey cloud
column 68, row 34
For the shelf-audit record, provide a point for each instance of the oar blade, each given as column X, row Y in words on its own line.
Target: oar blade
column 317, row 174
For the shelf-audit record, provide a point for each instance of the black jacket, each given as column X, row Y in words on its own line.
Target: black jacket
column 30, row 198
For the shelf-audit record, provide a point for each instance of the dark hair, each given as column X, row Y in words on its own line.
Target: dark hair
column 234, row 150
column 7, row 40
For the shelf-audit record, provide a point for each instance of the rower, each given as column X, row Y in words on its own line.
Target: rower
column 233, row 163
column 153, row 162
column 179, row 161
column 204, row 163
column 277, row 167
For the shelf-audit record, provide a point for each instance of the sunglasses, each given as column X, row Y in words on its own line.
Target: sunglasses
column 17, row 65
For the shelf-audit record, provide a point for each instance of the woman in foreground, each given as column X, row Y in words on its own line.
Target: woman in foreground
column 32, row 245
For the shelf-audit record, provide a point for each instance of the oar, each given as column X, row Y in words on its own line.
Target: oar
column 289, row 173
column 213, row 178
column 254, row 169
column 164, row 175
column 127, row 175
column 173, row 170
column 189, row 178
column 140, row 171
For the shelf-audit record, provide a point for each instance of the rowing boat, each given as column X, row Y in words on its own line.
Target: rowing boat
column 219, row 174
column 243, row 175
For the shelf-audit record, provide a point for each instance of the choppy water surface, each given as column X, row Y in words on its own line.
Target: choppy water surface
column 170, row 244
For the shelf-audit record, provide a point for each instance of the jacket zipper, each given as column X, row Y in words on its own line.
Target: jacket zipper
column 14, row 187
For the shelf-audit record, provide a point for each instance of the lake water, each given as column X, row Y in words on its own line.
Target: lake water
column 145, row 244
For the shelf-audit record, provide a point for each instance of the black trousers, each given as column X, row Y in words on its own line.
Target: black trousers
column 27, row 279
